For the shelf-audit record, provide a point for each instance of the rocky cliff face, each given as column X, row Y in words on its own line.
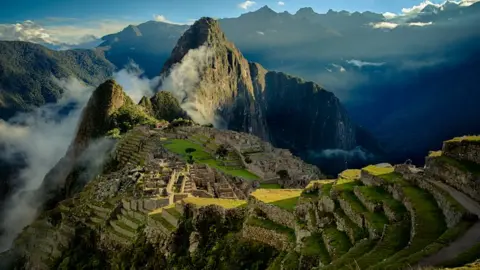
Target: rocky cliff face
column 279, row 108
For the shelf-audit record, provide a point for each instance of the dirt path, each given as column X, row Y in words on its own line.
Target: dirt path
column 466, row 241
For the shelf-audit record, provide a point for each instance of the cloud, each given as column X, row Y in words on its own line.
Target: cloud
column 42, row 137
column 75, row 33
column 184, row 82
column 361, row 64
column 418, row 8
column 246, row 5
column 134, row 83
column 261, row 33
column 281, row 3
column 340, row 68
column 356, row 153
column 384, row 25
column 420, row 24
column 162, row 18
column 389, row 15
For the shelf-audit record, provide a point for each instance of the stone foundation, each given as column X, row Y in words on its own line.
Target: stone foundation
column 269, row 237
column 462, row 150
column 274, row 213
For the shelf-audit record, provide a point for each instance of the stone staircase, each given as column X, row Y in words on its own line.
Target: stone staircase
column 225, row 191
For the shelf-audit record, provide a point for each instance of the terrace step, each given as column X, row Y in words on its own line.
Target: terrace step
column 122, row 228
column 336, row 242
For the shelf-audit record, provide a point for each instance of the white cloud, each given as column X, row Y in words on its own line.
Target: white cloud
column 261, row 33
column 418, row 8
column 420, row 24
column 134, row 83
column 389, row 15
column 384, row 25
column 246, row 5
column 281, row 3
column 466, row 3
column 42, row 137
column 360, row 63
column 63, row 34
column 162, row 18
column 340, row 68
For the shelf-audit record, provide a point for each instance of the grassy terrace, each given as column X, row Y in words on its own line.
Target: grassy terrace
column 158, row 217
column 225, row 203
column 375, row 170
column 378, row 195
column 314, row 247
column 429, row 220
column 172, row 211
column 465, row 166
column 354, row 253
column 282, row 198
column 337, row 241
column 472, row 138
column 359, row 233
column 466, row 257
column 201, row 156
column 377, row 220
column 447, row 237
column 350, row 174
column 270, row 225
column 124, row 226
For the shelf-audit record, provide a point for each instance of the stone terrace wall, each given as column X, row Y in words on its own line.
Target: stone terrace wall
column 462, row 150
column 464, row 181
column 274, row 213
column 277, row 240
column 451, row 210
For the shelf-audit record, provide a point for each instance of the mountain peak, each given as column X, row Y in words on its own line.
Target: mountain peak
column 266, row 9
column 305, row 11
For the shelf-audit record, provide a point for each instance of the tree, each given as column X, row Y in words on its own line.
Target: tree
column 248, row 160
column 190, row 150
column 222, row 151
column 190, row 159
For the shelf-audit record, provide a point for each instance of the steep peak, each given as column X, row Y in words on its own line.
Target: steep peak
column 204, row 32
column 265, row 9
column 105, row 100
column 306, row 11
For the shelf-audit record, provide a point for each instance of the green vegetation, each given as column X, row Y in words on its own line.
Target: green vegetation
column 165, row 106
column 270, row 225
column 379, row 196
column 114, row 133
column 180, row 146
column 395, row 238
column 376, row 220
column 337, row 242
column 353, row 254
column 464, row 165
column 129, row 116
column 314, row 247
column 473, row 138
column 158, row 217
column 466, row 257
column 352, row 174
column 291, row 261
column 358, row 233
column 446, row 238
column 376, row 170
column 435, row 154
column 283, row 198
column 173, row 211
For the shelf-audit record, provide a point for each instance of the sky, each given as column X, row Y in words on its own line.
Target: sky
column 70, row 21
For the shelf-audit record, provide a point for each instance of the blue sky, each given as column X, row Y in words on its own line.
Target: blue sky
column 73, row 22
column 174, row 10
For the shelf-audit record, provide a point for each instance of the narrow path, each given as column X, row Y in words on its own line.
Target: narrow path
column 466, row 241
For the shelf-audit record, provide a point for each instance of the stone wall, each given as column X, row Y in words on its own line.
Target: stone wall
column 269, row 237
column 462, row 180
column 462, row 150
column 274, row 213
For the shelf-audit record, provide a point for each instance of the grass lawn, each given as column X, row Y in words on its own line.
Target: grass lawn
column 283, row 198
column 203, row 157
column 375, row 170
column 435, row 153
column 350, row 174
column 225, row 203
column 173, row 211
column 270, row 186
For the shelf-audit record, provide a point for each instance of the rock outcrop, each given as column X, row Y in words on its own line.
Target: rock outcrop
column 282, row 109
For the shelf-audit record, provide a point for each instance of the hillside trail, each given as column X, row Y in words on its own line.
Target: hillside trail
column 466, row 241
